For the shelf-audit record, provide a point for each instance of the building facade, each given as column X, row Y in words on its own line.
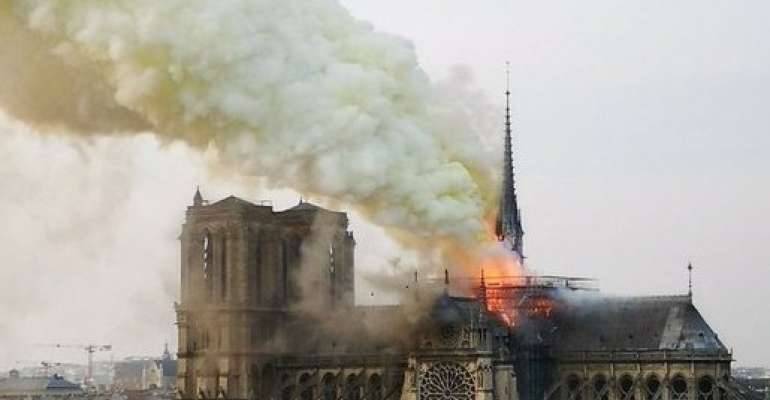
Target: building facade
column 267, row 312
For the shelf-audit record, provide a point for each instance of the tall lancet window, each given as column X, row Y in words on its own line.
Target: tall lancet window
column 223, row 270
column 332, row 273
column 208, row 263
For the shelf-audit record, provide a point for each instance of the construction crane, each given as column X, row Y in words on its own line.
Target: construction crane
column 46, row 365
column 90, row 349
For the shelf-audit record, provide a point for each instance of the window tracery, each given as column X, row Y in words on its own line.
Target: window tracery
column 653, row 388
column 574, row 388
column 601, row 389
column 626, row 387
column 679, row 388
column 447, row 381
column 375, row 387
column 706, row 388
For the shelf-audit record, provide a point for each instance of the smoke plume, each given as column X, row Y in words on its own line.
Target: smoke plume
column 297, row 91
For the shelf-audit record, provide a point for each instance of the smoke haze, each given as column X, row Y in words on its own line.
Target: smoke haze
column 643, row 131
column 296, row 91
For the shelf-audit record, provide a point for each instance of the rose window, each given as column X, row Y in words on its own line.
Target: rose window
column 447, row 381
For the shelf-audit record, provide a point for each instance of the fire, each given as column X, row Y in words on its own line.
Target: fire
column 499, row 267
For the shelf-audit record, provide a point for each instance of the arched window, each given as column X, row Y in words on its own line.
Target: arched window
column 679, row 388
column 374, row 388
column 706, row 388
column 329, row 387
column 223, row 270
column 352, row 388
column 626, row 387
column 208, row 263
column 574, row 388
column 306, row 386
column 652, row 388
column 600, row 388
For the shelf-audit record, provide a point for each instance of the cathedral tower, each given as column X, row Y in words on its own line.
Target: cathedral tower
column 245, row 270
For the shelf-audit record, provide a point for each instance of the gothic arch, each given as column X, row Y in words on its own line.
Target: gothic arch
column 626, row 387
column 679, row 388
column 653, row 389
column 207, row 262
column 352, row 388
column 707, row 388
column 374, row 388
column 600, row 388
column 574, row 386
column 329, row 387
column 306, row 386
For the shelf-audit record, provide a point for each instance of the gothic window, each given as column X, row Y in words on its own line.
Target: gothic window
column 706, row 388
column 600, row 388
column 652, row 388
column 447, row 381
column 208, row 262
column 223, row 270
column 284, row 269
column 679, row 388
column 626, row 387
column 256, row 282
column 307, row 387
column 329, row 387
column 352, row 388
column 375, row 388
column 574, row 388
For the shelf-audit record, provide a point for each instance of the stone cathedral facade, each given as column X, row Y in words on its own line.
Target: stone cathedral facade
column 245, row 333
column 267, row 312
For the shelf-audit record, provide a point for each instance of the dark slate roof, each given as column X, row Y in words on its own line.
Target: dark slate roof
column 169, row 367
column 602, row 323
column 456, row 310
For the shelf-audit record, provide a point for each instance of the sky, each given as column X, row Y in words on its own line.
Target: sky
column 641, row 134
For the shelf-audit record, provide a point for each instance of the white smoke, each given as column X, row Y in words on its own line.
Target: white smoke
column 297, row 91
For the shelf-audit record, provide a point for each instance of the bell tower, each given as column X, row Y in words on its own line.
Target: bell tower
column 245, row 270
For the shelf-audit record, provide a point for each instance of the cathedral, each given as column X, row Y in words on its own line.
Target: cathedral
column 267, row 312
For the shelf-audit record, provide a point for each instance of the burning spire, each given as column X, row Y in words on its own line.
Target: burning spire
column 508, row 227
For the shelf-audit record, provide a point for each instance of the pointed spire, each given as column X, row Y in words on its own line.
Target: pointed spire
column 689, row 285
column 508, row 228
column 197, row 199
column 166, row 353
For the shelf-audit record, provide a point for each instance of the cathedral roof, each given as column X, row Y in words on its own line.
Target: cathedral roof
column 306, row 206
column 232, row 201
column 634, row 323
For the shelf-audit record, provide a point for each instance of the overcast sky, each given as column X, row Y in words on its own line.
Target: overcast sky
column 641, row 143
